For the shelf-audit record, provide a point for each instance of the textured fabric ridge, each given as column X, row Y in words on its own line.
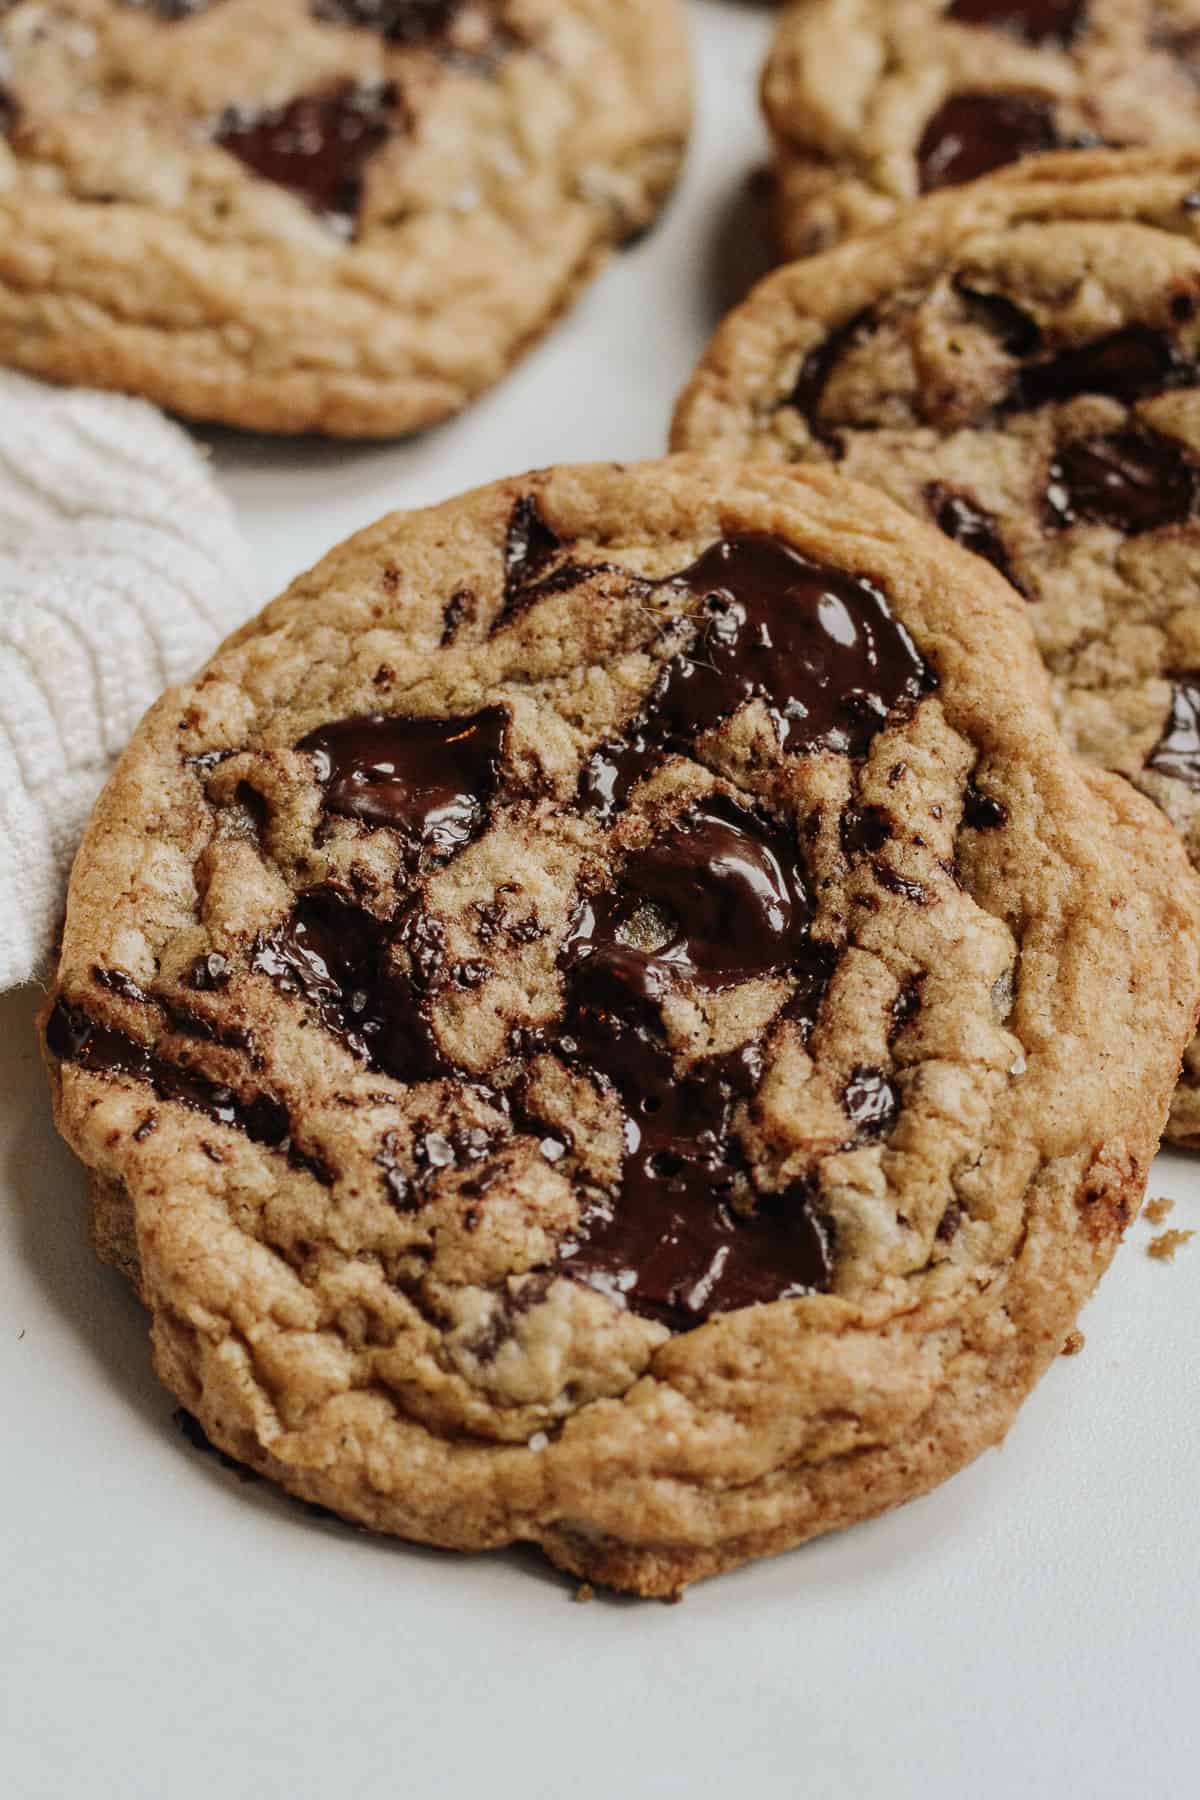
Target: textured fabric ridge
column 120, row 568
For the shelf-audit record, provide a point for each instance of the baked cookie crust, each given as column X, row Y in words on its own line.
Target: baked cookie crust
column 608, row 1017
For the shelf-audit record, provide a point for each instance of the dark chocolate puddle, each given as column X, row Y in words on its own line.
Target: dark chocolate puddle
column 688, row 1235
column 430, row 780
column 821, row 648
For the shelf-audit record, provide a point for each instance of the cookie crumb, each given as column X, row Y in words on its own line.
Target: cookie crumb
column 584, row 1592
column 1157, row 1209
column 1163, row 1247
column 1073, row 1343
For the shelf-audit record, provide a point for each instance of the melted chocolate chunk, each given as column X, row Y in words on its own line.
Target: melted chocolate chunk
column 869, row 1101
column 208, row 973
column 906, row 1005
column 865, row 829
column 895, row 883
column 718, row 898
column 396, row 1181
column 818, row 366
column 680, row 1242
column 330, row 952
column 1033, row 21
column 170, row 12
column 1134, row 480
column 317, row 146
column 949, row 1222
column 432, row 780
column 8, row 111
column 460, row 606
column 614, row 769
column 675, row 1246
column 980, row 811
column 343, row 961
column 970, row 525
column 529, row 546
column 1177, row 752
column 971, row 134
column 459, row 31
column 812, row 975
column 1127, row 364
column 422, row 22
column 1018, row 331
column 74, row 1037
column 118, row 982
column 820, row 647
column 208, row 760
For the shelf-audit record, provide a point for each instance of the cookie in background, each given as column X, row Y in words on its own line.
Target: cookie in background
column 343, row 216
column 872, row 103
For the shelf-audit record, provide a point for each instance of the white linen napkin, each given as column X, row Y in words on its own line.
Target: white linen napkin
column 121, row 568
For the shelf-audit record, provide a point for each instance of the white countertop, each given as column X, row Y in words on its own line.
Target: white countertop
column 169, row 1632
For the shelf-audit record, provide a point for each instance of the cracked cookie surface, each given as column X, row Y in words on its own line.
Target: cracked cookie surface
column 872, row 103
column 345, row 216
column 1019, row 363
column 608, row 1017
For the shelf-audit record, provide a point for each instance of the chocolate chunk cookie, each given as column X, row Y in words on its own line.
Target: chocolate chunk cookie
column 608, row 1017
column 347, row 216
column 874, row 102
column 1020, row 363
